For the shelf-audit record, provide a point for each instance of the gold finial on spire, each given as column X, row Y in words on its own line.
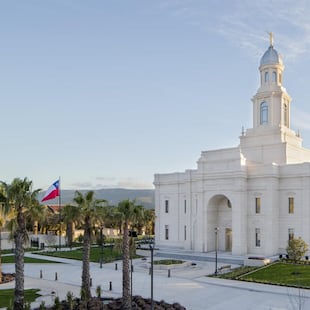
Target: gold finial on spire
column 271, row 38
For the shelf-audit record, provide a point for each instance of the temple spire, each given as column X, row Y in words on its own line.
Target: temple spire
column 271, row 38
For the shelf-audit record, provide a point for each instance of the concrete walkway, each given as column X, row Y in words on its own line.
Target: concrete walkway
column 188, row 285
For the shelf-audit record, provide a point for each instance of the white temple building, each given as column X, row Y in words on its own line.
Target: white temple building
column 256, row 195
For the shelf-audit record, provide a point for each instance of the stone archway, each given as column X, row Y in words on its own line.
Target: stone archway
column 219, row 215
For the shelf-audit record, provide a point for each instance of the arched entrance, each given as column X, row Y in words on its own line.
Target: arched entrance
column 219, row 215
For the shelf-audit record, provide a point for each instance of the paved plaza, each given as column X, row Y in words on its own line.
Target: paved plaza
column 189, row 285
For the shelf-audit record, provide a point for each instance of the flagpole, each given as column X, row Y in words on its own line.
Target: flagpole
column 59, row 204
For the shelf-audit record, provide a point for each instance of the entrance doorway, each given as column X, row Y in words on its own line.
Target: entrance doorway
column 219, row 215
column 228, row 239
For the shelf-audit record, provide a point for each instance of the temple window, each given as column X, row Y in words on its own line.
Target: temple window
column 274, row 76
column 264, row 113
column 257, row 237
column 285, row 114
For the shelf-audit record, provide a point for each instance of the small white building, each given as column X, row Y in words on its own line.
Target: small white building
column 256, row 195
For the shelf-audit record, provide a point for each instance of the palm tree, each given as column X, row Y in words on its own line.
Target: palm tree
column 50, row 222
column 71, row 216
column 92, row 212
column 35, row 214
column 19, row 197
column 111, row 220
column 2, row 222
column 129, row 212
column 1, row 225
column 139, row 219
column 149, row 221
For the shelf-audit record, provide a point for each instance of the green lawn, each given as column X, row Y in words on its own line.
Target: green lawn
column 11, row 251
column 236, row 273
column 108, row 255
column 7, row 296
column 281, row 274
column 168, row 262
column 10, row 259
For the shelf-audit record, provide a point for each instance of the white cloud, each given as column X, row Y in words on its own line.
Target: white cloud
column 81, row 185
column 112, row 182
column 107, row 179
column 300, row 119
column 134, row 184
column 288, row 20
column 246, row 22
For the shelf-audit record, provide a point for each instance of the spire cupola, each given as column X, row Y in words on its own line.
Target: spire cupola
column 271, row 67
column 271, row 56
column 271, row 140
column 271, row 104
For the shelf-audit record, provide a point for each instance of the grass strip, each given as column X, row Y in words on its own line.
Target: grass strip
column 281, row 274
column 108, row 254
column 11, row 251
column 236, row 273
column 10, row 259
column 7, row 296
column 168, row 262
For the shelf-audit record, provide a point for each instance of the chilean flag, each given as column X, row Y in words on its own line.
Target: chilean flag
column 52, row 191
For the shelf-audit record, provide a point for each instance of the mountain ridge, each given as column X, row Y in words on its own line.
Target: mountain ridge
column 143, row 197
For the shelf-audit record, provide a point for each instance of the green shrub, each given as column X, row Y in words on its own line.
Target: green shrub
column 168, row 262
column 296, row 249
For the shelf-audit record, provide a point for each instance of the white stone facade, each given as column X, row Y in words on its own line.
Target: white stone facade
column 257, row 194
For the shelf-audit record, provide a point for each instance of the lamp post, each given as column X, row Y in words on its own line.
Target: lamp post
column 101, row 246
column 131, row 270
column 152, row 278
column 59, row 229
column 216, row 229
column 132, row 244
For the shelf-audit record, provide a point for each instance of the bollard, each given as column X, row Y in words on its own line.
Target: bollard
column 90, row 282
column 115, row 266
column 168, row 273
column 41, row 274
column 132, row 268
column 110, row 286
column 56, row 276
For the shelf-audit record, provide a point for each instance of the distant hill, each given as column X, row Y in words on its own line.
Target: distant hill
column 144, row 197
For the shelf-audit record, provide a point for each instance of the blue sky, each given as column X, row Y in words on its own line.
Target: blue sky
column 105, row 93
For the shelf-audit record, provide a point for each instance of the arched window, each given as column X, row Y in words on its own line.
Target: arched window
column 274, row 76
column 266, row 76
column 285, row 114
column 263, row 113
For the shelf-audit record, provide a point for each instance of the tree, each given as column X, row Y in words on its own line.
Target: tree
column 5, row 220
column 35, row 214
column 2, row 222
column 138, row 222
column 1, row 225
column 150, row 221
column 113, row 219
column 92, row 212
column 71, row 216
column 50, row 222
column 19, row 197
column 296, row 249
column 146, row 221
column 129, row 213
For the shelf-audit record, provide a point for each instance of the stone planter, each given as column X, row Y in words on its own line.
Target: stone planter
column 256, row 261
column 171, row 266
